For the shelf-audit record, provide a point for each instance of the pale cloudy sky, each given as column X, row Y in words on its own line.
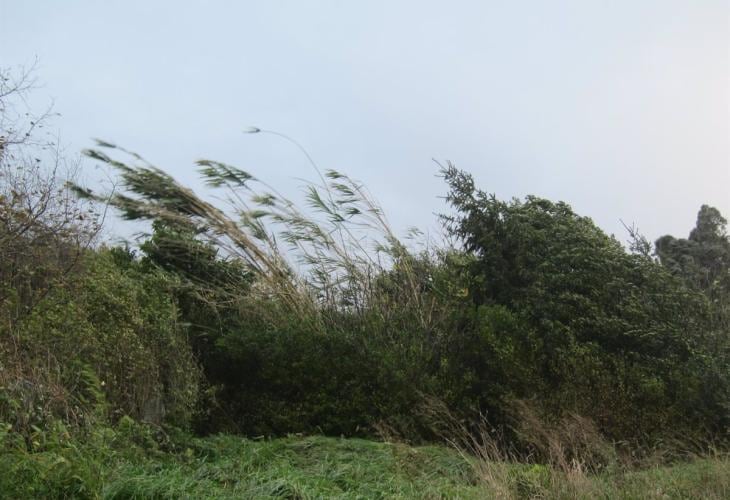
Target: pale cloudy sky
column 620, row 107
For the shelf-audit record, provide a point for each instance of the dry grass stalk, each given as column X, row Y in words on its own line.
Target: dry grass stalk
column 478, row 445
column 332, row 256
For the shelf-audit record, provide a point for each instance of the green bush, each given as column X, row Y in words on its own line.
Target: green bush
column 534, row 302
column 603, row 332
column 108, row 343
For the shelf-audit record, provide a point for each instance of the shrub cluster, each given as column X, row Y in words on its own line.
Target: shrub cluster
column 264, row 317
column 531, row 302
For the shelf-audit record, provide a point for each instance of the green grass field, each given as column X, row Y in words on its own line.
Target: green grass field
column 319, row 467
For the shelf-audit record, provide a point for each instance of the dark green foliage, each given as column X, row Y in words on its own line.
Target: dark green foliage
column 539, row 304
column 145, row 357
column 177, row 250
column 106, row 344
column 131, row 460
column 602, row 331
column 207, row 291
column 537, row 335
column 703, row 259
column 213, row 326
column 86, row 334
column 291, row 379
column 703, row 262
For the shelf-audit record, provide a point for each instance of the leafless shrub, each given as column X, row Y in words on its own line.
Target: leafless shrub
column 44, row 227
column 44, row 230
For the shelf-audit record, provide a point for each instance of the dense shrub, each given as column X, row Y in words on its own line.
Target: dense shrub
column 109, row 342
column 534, row 302
column 608, row 334
column 214, row 324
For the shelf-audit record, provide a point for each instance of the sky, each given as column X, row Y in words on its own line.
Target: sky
column 620, row 108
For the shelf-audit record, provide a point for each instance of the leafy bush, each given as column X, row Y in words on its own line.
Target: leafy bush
column 536, row 302
column 603, row 331
column 108, row 343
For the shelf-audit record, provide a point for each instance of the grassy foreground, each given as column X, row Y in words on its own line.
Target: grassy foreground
column 319, row 467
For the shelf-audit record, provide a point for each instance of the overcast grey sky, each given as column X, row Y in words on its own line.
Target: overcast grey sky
column 620, row 107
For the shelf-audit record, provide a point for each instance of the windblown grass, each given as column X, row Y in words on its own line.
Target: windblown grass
column 312, row 467
column 115, row 465
column 324, row 255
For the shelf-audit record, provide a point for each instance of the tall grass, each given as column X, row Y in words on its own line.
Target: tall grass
column 325, row 257
column 569, row 458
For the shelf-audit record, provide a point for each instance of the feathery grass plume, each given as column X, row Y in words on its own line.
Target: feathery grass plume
column 148, row 193
column 332, row 252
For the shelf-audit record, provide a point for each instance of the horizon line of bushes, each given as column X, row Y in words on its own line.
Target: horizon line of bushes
column 256, row 316
column 534, row 304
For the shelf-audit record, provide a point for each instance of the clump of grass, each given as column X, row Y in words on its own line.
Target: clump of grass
column 477, row 444
column 572, row 444
column 299, row 467
column 569, row 458
column 134, row 461
column 322, row 257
